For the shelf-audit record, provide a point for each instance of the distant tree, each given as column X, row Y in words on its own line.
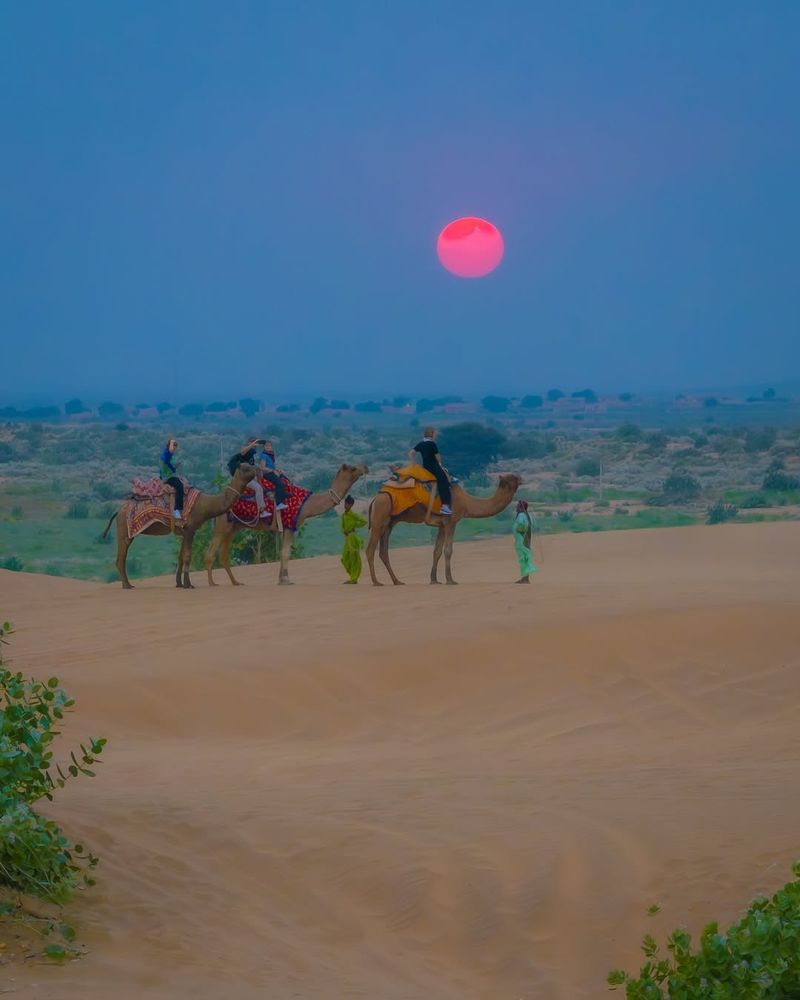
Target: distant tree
column 369, row 407
column 74, row 407
column 587, row 467
column 495, row 404
column 288, row 408
column 6, row 452
column 469, row 447
column 109, row 409
column 217, row 407
column 164, row 407
column 588, row 394
column 12, row 563
column 778, row 480
column 424, row 405
column 231, row 404
column 121, row 427
column 768, row 394
column 553, row 395
column 249, row 407
column 625, row 397
column 191, row 410
column 656, row 442
column 340, row 404
column 710, row 401
column 319, row 405
column 531, row 402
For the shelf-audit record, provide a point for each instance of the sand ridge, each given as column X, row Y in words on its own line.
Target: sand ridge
column 472, row 792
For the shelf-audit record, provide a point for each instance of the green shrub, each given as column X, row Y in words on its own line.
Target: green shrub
column 760, row 439
column 588, row 467
column 12, row 563
column 721, row 512
column 757, row 958
column 17, row 512
column 754, row 500
column 36, row 858
column 77, row 511
column 779, row 481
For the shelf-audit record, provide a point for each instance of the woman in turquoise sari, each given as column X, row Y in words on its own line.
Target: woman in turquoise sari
column 523, row 538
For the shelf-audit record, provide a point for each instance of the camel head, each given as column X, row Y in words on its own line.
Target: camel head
column 509, row 482
column 346, row 475
column 244, row 474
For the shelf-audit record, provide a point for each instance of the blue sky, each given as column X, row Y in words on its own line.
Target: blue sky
column 210, row 200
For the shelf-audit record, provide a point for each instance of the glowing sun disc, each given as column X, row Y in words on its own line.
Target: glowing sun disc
column 470, row 247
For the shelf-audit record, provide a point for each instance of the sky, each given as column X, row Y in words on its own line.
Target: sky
column 203, row 201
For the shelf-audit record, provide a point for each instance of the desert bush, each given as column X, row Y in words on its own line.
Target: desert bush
column 760, row 439
column 17, row 512
column 681, row 486
column 6, row 452
column 531, row 402
column 78, row 510
column 36, row 858
column 656, row 442
column 469, row 447
column 757, row 958
column 629, row 432
column 588, row 467
column 12, row 563
column 721, row 512
column 779, row 481
column 754, row 500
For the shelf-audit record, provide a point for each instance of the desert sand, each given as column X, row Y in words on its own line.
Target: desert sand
column 440, row 793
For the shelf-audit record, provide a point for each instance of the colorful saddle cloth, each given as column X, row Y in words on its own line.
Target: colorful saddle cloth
column 152, row 502
column 245, row 510
column 408, row 490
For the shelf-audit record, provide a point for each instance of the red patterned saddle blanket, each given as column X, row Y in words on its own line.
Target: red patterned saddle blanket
column 152, row 502
column 245, row 510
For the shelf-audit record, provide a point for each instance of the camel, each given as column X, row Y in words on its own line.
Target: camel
column 318, row 503
column 205, row 507
column 464, row 505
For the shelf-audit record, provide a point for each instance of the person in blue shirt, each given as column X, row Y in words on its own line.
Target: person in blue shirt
column 168, row 473
column 267, row 470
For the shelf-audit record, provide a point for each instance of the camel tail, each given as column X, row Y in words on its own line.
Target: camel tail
column 110, row 522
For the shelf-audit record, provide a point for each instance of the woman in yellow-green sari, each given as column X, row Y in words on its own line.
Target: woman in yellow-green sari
column 523, row 538
column 351, row 553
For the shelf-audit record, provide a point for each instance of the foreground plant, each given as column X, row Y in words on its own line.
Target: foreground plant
column 757, row 958
column 36, row 857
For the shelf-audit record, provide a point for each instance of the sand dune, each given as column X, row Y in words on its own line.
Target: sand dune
column 473, row 792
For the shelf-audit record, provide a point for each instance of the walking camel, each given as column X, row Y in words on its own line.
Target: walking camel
column 205, row 507
column 317, row 503
column 382, row 522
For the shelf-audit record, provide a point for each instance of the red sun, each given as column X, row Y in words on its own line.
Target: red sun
column 470, row 247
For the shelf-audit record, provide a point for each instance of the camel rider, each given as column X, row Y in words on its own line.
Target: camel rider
column 248, row 455
column 429, row 451
column 168, row 473
column 267, row 470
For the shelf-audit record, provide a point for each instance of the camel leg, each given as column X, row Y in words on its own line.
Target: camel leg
column 383, row 551
column 123, row 544
column 287, row 537
column 374, row 536
column 437, row 554
column 184, row 562
column 450, row 531
column 211, row 553
column 225, row 558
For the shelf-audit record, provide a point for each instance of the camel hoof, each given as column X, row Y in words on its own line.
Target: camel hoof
column 128, row 586
column 435, row 583
column 376, row 583
column 212, row 584
column 285, row 583
column 236, row 583
column 452, row 583
column 398, row 583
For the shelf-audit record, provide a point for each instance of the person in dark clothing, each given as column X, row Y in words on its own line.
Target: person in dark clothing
column 430, row 454
column 168, row 473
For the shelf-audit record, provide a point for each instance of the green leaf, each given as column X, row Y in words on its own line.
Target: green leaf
column 56, row 953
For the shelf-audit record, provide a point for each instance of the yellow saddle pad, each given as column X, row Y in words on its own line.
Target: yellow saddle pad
column 404, row 498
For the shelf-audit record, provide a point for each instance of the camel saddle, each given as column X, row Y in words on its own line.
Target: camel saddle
column 245, row 510
column 152, row 502
column 410, row 489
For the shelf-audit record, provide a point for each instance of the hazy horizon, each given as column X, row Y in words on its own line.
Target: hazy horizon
column 207, row 203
